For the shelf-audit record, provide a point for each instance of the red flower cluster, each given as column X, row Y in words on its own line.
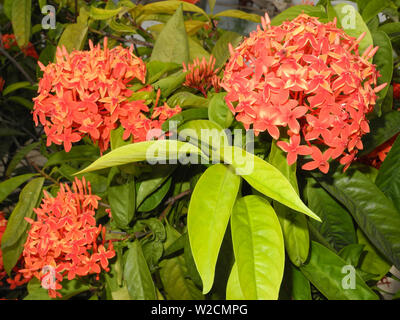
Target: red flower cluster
column 376, row 157
column 9, row 42
column 396, row 91
column 17, row 280
column 2, row 82
column 65, row 237
column 306, row 77
column 87, row 93
column 202, row 75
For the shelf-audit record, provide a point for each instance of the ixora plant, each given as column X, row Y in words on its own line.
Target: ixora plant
column 196, row 163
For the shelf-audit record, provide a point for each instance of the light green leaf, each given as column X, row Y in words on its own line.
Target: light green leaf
column 172, row 43
column 186, row 99
column 259, row 248
column 233, row 290
column 221, row 48
column 294, row 11
column 265, row 178
column 209, row 210
column 103, row 14
column 74, row 35
column 15, row 86
column 21, row 21
column 239, row 15
column 170, row 7
column 372, row 9
column 219, row 112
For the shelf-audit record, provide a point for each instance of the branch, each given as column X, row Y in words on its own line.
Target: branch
column 133, row 41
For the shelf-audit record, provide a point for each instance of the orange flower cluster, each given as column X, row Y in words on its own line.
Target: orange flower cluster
column 9, row 42
column 202, row 75
column 86, row 93
column 17, row 280
column 376, row 157
column 65, row 237
column 306, row 77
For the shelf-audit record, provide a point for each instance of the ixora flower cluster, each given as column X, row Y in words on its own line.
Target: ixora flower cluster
column 86, row 93
column 65, row 237
column 306, row 77
column 9, row 42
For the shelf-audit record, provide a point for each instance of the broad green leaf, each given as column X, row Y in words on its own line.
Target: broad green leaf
column 170, row 7
column 388, row 179
column 381, row 130
column 170, row 84
column 116, row 138
column 391, row 29
column 15, row 234
column 204, row 134
column 294, row 11
column 371, row 209
column 353, row 24
column 122, row 202
column 211, row 4
column 294, row 225
column 103, row 14
column 152, row 182
column 219, row 112
column 192, row 26
column 329, row 273
column 21, row 101
column 77, row 153
column 7, row 8
column 233, row 290
column 196, row 50
column 372, row 9
column 352, row 253
column 9, row 185
column 152, row 151
column 259, row 248
column 301, row 289
column 137, row 274
column 184, row 116
column 383, row 59
column 265, row 178
column 172, row 43
column 74, row 35
column 173, row 273
column 21, row 21
column 15, row 86
column 221, row 48
column 186, row 99
column 209, row 210
column 155, row 198
column 239, row 15
column 337, row 225
column 156, row 69
column 19, row 156
column 191, row 265
column 372, row 262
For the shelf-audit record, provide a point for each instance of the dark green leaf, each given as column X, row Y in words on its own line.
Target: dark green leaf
column 8, row 186
column 122, row 201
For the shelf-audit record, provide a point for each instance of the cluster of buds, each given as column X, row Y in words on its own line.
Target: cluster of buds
column 65, row 237
column 86, row 93
column 202, row 75
column 9, row 42
column 306, row 80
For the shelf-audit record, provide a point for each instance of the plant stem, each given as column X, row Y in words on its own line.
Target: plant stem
column 133, row 41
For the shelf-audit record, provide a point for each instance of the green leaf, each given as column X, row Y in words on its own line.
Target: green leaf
column 265, row 178
column 294, row 11
column 172, row 43
column 174, row 272
column 239, row 15
column 259, row 248
column 137, row 274
column 74, row 35
column 353, row 24
column 388, row 179
column 337, row 225
column 103, row 14
column 186, row 99
column 170, row 7
column 383, row 60
column 156, row 69
column 372, row 262
column 77, row 153
column 221, row 48
column 219, row 112
column 21, row 101
column 294, row 226
column 15, row 234
column 155, row 198
column 381, row 130
column 184, row 116
column 15, row 86
column 122, row 202
column 116, row 138
column 372, row 210
column 391, row 29
column 196, row 50
column 209, row 210
column 19, row 156
column 327, row 272
column 169, row 84
column 301, row 289
column 372, row 9
column 233, row 289
column 9, row 185
column 191, row 265
column 7, row 8
column 147, row 150
column 21, row 21
column 352, row 253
